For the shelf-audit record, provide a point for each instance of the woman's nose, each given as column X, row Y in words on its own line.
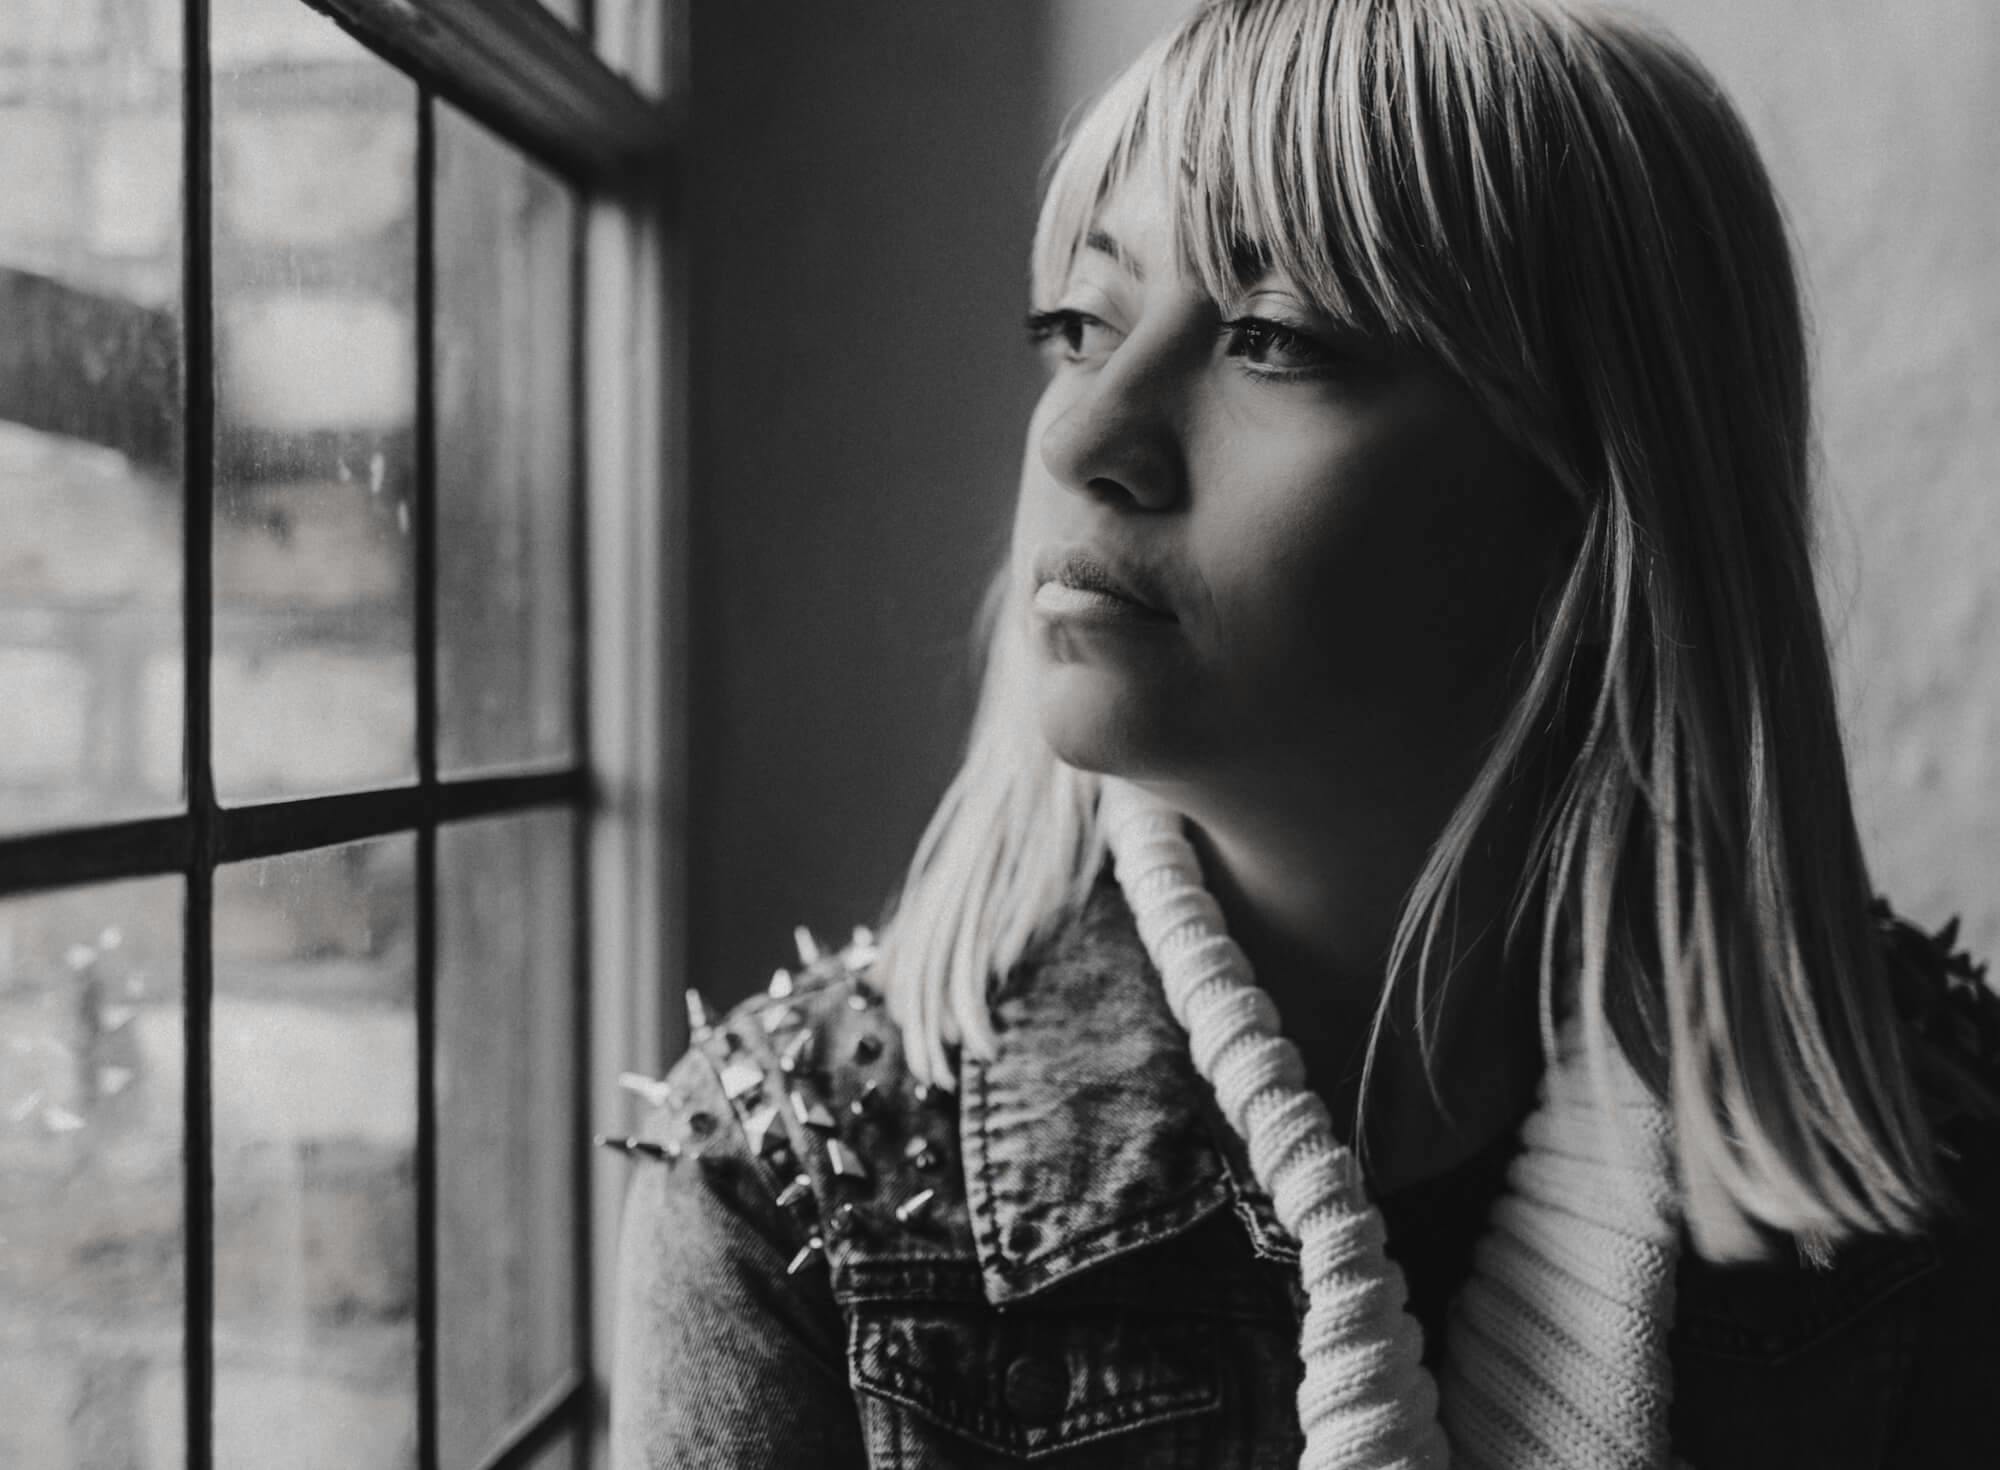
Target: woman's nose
column 1117, row 437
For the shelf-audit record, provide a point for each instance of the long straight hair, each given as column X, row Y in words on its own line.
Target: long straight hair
column 1560, row 206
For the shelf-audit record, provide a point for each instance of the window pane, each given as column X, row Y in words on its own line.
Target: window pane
column 315, row 1098
column 315, row 296
column 632, row 39
column 506, row 356
column 507, row 1125
column 563, row 1454
column 90, row 412
column 91, row 1188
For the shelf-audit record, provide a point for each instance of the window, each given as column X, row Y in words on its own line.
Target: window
column 334, row 718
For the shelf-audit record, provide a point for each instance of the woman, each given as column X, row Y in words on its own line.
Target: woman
column 1406, row 808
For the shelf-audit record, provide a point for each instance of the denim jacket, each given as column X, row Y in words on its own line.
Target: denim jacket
column 1069, row 1263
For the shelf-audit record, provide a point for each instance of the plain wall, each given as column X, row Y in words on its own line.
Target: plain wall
column 862, row 190
column 861, row 184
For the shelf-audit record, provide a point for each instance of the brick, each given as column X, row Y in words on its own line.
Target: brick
column 316, row 178
column 317, row 543
column 50, row 30
column 327, row 360
column 271, row 1413
column 286, row 1073
column 251, row 33
column 38, row 162
column 135, row 185
column 312, row 720
column 44, row 717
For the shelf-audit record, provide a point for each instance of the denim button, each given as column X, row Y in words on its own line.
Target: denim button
column 1037, row 1389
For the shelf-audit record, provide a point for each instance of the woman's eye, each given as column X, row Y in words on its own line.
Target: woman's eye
column 1276, row 347
column 1075, row 334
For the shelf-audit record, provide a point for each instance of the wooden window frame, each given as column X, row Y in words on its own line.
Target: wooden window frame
column 540, row 85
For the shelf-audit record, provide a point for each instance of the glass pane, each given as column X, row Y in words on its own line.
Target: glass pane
column 507, row 1125
column 92, row 1243
column 315, row 1098
column 90, row 412
column 315, row 302
column 506, row 334
column 564, row 1454
column 632, row 39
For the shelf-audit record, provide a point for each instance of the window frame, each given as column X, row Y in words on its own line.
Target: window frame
column 541, row 86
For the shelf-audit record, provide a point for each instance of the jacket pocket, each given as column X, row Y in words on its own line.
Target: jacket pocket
column 949, row 1384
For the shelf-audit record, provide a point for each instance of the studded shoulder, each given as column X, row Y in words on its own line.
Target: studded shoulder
column 857, row 1157
column 1950, row 1011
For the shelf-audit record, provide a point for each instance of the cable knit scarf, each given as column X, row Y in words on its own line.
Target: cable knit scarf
column 1557, row 1351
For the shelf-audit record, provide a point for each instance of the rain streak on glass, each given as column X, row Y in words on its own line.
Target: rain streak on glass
column 315, row 309
column 90, row 412
column 314, row 1041
column 92, row 1239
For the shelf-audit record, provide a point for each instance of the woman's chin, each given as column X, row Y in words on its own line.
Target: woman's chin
column 1094, row 719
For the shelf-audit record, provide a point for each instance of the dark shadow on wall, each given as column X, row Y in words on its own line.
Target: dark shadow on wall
column 861, row 192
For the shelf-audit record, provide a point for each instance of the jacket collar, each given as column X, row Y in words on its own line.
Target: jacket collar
column 1089, row 1132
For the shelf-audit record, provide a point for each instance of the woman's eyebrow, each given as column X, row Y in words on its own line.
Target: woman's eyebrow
column 1103, row 242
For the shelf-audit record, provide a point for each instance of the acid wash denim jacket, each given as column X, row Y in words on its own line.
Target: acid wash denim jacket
column 1070, row 1265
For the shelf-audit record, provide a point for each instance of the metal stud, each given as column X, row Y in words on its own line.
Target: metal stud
column 777, row 1018
column 808, row 946
column 811, row 1112
column 867, row 1102
column 917, row 1204
column 867, row 1047
column 856, row 1001
column 766, row 1129
column 644, row 1147
column 923, row 1094
column 797, row 1054
column 740, row 1078
column 698, row 1015
column 843, row 1218
column 813, row 1246
column 799, row 1189
column 781, row 984
column 920, row 1152
column 652, row 1090
column 846, row 1162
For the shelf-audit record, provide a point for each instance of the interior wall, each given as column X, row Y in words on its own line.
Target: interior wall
column 1878, row 124
column 862, row 189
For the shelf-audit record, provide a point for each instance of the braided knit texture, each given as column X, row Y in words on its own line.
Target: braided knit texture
column 1557, row 1344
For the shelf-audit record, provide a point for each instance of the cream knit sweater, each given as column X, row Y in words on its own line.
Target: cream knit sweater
column 1556, row 1356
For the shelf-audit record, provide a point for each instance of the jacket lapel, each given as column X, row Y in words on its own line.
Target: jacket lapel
column 1089, row 1133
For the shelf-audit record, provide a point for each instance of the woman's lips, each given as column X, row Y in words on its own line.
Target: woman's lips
column 1087, row 604
column 1073, row 583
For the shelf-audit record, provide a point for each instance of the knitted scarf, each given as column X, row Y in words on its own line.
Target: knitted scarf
column 1556, row 1356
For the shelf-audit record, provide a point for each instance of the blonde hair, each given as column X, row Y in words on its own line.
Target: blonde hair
column 1561, row 207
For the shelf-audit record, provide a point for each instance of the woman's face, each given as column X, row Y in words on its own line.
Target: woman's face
column 1341, row 554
